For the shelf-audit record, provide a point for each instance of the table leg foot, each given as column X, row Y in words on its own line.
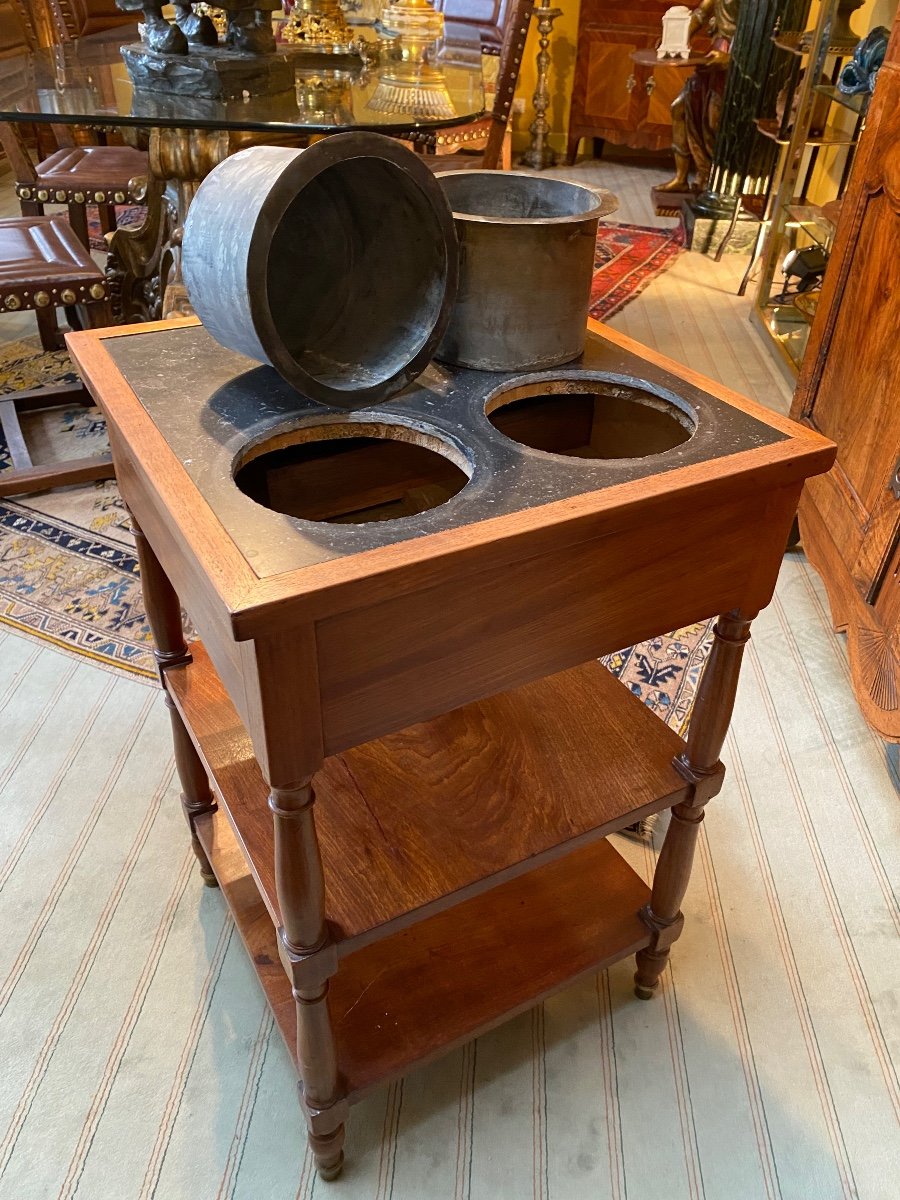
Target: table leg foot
column 328, row 1151
column 650, row 965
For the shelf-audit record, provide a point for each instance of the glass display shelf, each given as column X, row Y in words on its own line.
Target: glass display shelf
column 857, row 103
column 799, row 41
column 789, row 327
column 813, row 221
column 770, row 128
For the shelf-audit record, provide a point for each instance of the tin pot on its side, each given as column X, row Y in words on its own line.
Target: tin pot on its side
column 336, row 264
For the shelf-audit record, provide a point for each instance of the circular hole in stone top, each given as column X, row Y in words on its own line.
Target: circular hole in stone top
column 357, row 280
column 351, row 473
column 590, row 418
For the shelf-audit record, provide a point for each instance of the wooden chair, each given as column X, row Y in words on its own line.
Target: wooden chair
column 76, row 18
column 486, row 142
column 74, row 175
column 43, row 267
column 77, row 176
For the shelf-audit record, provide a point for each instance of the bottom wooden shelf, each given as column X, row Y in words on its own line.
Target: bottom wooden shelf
column 405, row 1000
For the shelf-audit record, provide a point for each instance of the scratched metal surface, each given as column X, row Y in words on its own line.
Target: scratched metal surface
column 210, row 404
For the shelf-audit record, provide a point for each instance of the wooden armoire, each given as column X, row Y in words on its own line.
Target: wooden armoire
column 849, row 389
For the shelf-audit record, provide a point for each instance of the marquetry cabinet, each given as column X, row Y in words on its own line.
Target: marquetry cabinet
column 613, row 97
column 850, row 518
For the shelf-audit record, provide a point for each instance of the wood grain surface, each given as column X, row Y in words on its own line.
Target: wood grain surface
column 402, row 1002
column 422, row 818
column 161, row 494
column 847, row 390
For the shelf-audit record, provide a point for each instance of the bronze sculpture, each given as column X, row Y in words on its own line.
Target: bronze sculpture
column 698, row 106
column 249, row 28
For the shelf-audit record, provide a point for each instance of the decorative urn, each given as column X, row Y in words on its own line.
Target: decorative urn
column 676, row 30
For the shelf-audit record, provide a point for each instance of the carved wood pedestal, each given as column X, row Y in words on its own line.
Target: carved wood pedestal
column 415, row 759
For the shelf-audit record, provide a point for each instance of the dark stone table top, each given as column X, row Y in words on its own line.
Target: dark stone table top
column 210, row 404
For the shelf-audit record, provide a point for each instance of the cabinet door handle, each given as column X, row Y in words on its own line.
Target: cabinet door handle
column 630, row 83
column 650, row 85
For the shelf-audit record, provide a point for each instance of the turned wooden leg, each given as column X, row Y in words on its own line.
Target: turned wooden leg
column 164, row 615
column 310, row 960
column 700, row 765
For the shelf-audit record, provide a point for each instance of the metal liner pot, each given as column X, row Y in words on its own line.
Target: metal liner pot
column 527, row 248
column 336, row 264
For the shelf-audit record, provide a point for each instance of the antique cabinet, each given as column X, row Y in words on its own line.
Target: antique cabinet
column 850, row 518
column 400, row 758
column 614, row 98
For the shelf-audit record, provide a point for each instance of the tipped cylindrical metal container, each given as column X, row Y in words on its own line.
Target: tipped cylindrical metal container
column 336, row 264
column 526, row 262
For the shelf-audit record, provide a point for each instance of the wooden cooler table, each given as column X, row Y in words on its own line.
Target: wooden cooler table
column 400, row 759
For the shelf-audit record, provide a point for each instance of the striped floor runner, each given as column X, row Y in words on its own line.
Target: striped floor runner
column 140, row 1063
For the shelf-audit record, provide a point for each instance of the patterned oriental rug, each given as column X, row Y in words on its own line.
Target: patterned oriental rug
column 68, row 571
column 628, row 258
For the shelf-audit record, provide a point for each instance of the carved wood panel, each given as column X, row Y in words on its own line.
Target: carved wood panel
column 850, row 518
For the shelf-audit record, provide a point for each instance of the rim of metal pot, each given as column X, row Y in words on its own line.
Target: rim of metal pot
column 599, row 209
column 298, row 174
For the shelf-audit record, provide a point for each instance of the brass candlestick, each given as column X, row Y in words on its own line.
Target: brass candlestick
column 539, row 155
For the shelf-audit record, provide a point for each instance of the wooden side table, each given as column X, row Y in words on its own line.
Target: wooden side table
column 400, row 760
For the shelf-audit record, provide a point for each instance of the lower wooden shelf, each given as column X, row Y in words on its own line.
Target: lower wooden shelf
column 402, row 1001
column 421, row 820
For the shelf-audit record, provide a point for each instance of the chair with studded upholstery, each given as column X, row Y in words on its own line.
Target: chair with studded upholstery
column 502, row 27
column 77, row 175
column 44, row 267
column 76, row 18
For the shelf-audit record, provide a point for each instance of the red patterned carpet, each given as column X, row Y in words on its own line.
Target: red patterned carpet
column 628, row 258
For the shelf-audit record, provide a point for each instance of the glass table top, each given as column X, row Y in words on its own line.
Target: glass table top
column 87, row 82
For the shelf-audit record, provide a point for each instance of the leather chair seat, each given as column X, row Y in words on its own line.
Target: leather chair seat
column 99, row 174
column 43, row 264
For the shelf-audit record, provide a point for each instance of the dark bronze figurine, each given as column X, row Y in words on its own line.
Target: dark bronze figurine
column 249, row 29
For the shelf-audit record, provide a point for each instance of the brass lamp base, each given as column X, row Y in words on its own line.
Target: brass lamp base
column 415, row 90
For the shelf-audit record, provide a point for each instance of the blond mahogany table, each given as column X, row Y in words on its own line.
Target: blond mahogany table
column 399, row 757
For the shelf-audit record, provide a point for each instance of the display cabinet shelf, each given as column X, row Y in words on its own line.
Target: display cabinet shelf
column 811, row 166
column 812, row 220
column 857, row 103
column 799, row 41
column 770, row 128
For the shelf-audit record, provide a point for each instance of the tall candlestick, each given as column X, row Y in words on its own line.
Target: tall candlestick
column 539, row 155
